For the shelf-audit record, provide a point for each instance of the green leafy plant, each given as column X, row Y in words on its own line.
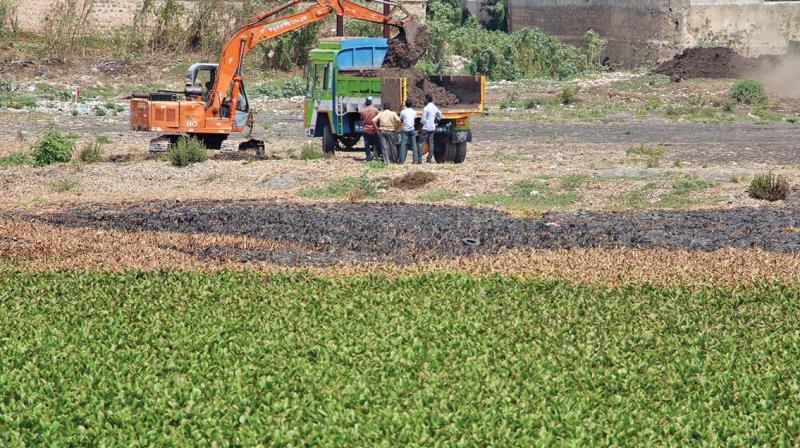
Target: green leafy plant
column 18, row 158
column 748, row 91
column 438, row 195
column 768, row 187
column 186, row 151
column 91, row 153
column 53, row 147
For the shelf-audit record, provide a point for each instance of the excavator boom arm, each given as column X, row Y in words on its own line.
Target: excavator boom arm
column 265, row 27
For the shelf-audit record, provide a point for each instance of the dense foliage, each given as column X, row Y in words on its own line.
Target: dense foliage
column 525, row 53
column 191, row 359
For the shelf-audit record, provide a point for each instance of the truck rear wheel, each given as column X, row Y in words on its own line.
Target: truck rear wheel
column 461, row 152
column 328, row 140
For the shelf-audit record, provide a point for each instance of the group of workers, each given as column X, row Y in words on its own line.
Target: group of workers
column 389, row 135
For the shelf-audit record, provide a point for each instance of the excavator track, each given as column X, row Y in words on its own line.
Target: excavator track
column 232, row 145
column 161, row 145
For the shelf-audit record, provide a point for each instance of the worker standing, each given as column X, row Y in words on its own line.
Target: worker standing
column 371, row 142
column 430, row 117
column 388, row 123
column 408, row 134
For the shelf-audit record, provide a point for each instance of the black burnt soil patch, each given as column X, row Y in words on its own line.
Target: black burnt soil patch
column 410, row 232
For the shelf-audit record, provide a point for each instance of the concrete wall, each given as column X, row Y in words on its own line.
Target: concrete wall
column 110, row 14
column 640, row 31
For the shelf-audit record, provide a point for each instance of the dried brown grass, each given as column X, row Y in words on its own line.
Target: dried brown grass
column 33, row 246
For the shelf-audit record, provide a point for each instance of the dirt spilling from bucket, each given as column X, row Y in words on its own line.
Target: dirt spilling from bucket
column 403, row 53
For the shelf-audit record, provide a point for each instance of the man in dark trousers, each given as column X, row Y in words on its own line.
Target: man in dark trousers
column 430, row 117
column 370, row 131
column 388, row 123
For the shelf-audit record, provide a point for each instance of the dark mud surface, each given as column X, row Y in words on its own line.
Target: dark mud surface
column 321, row 234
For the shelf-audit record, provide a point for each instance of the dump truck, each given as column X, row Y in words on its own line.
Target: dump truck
column 342, row 72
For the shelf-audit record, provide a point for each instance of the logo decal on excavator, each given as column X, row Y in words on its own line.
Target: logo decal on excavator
column 280, row 24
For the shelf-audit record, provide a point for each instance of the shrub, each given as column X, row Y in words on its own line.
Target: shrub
column 64, row 185
column 53, row 147
column 769, row 186
column 91, row 153
column 568, row 95
column 186, row 151
column 747, row 91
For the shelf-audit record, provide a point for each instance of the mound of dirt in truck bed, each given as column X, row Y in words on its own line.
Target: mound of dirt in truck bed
column 717, row 62
column 404, row 54
column 419, row 85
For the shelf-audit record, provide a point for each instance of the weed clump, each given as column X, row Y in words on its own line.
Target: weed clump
column 91, row 153
column 16, row 159
column 644, row 150
column 748, row 91
column 186, row 151
column 568, row 95
column 310, row 152
column 769, row 187
column 53, row 147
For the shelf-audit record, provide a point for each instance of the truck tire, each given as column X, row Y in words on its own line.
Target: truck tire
column 461, row 152
column 442, row 149
column 328, row 140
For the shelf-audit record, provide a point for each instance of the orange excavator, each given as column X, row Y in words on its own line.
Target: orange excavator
column 214, row 103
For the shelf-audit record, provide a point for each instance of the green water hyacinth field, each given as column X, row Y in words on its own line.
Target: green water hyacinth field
column 184, row 359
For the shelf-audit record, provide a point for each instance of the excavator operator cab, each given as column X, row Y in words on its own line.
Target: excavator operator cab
column 199, row 81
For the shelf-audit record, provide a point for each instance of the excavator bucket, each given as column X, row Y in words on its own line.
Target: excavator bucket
column 409, row 31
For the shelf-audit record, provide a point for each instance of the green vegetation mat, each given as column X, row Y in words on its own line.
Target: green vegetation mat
column 189, row 359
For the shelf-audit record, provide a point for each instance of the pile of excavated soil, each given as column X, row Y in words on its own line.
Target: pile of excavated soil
column 321, row 234
column 413, row 180
column 419, row 86
column 717, row 62
column 404, row 54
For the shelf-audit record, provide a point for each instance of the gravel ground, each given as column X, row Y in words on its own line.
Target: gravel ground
column 403, row 233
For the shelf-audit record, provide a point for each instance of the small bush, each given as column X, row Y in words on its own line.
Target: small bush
column 64, row 185
column 644, row 150
column 310, row 152
column 103, row 140
column 53, row 147
column 568, row 95
column 16, row 159
column 99, row 111
column 748, row 91
column 768, row 186
column 91, row 153
column 368, row 185
column 186, row 151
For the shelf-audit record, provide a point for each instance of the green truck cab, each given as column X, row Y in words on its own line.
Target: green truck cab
column 337, row 87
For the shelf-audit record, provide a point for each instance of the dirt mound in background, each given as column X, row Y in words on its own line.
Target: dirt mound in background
column 404, row 54
column 717, row 62
column 413, row 180
column 419, row 85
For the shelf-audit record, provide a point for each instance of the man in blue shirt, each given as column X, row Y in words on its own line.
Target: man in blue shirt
column 408, row 134
column 430, row 116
